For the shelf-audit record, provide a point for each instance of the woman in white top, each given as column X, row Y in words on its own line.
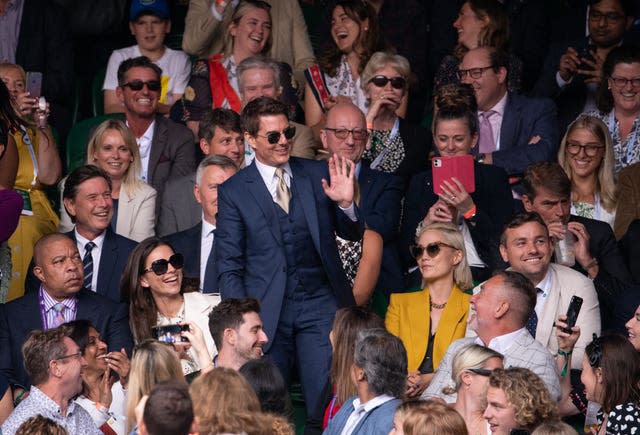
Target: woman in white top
column 113, row 148
column 586, row 155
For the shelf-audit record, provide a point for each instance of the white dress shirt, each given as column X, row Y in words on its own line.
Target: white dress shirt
column 360, row 410
column 206, row 243
column 95, row 254
column 144, row 144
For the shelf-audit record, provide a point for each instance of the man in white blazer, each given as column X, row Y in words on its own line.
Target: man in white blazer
column 526, row 246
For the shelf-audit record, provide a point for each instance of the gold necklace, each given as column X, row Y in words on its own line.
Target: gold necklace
column 437, row 306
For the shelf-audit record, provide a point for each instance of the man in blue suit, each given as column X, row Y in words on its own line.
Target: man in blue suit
column 196, row 244
column 87, row 199
column 515, row 131
column 380, row 193
column 60, row 298
column 275, row 241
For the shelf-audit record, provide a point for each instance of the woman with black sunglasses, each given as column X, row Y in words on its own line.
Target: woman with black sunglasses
column 479, row 215
column 395, row 146
column 428, row 321
column 152, row 283
column 470, row 370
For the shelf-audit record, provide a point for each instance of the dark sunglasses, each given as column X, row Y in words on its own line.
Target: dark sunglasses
column 137, row 85
column 273, row 137
column 396, row 82
column 481, row 372
column 432, row 249
column 160, row 267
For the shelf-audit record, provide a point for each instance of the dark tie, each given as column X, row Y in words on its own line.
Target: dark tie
column 532, row 323
column 87, row 260
column 210, row 284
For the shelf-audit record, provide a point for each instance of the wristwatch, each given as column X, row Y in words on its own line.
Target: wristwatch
column 480, row 158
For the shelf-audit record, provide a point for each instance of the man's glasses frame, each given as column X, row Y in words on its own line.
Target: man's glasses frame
column 137, row 85
column 358, row 134
column 273, row 137
column 474, row 73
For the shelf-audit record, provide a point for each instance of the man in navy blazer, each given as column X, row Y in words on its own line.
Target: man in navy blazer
column 380, row 193
column 197, row 243
column 58, row 266
column 87, row 199
column 284, row 253
column 523, row 130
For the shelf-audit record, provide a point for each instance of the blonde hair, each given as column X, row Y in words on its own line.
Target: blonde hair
column 233, row 17
column 605, row 178
column 152, row 362
column 224, row 402
column 558, row 427
column 430, row 418
column 379, row 60
column 469, row 357
column 452, row 236
column 131, row 180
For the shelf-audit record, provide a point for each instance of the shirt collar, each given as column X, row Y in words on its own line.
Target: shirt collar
column 500, row 105
column 206, row 227
column 502, row 343
column 43, row 400
column 99, row 241
column 267, row 172
column 371, row 404
column 545, row 284
column 49, row 301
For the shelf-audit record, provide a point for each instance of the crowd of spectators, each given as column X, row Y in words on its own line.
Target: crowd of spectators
column 320, row 216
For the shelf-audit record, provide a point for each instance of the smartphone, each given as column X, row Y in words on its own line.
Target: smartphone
column 34, row 83
column 460, row 167
column 170, row 333
column 572, row 313
column 585, row 53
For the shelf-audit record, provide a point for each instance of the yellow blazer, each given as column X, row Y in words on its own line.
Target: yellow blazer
column 408, row 319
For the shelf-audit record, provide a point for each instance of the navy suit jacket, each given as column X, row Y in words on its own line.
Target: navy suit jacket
column 249, row 248
column 378, row 421
column 380, row 199
column 21, row 316
column 113, row 259
column 524, row 118
column 188, row 244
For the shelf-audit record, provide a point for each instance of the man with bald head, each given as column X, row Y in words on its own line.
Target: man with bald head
column 61, row 298
column 380, row 194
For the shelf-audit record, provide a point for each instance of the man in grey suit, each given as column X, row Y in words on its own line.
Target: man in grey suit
column 498, row 314
column 220, row 134
column 167, row 150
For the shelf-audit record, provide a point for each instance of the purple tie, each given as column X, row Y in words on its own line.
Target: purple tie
column 487, row 145
column 59, row 319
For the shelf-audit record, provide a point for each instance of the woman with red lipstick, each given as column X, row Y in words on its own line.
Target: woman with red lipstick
column 152, row 284
column 586, row 155
column 113, row 148
column 480, row 23
column 429, row 320
column 101, row 396
column 355, row 34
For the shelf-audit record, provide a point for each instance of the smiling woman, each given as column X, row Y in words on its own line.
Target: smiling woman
column 152, row 284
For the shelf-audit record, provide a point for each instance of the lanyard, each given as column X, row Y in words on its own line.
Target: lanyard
column 394, row 132
column 27, row 141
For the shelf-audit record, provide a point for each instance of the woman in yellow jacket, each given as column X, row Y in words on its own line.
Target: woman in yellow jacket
column 427, row 321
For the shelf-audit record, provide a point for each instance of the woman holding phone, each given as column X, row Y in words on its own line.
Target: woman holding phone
column 39, row 165
column 152, row 284
column 479, row 215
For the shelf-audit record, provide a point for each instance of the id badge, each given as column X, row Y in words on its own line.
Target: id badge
column 27, row 209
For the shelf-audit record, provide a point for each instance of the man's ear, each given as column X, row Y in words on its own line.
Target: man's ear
column 69, row 205
column 229, row 336
column 323, row 139
column 501, row 309
column 37, row 271
column 250, row 140
column 503, row 253
column 196, row 193
column 527, row 202
column 205, row 146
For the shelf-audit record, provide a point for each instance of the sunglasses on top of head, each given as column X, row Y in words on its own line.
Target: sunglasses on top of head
column 161, row 266
column 137, row 85
column 432, row 249
column 381, row 81
column 273, row 137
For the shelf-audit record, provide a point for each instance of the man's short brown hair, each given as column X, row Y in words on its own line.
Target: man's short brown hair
column 40, row 348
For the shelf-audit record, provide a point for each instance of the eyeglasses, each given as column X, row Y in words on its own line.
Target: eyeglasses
column 137, row 85
column 273, row 137
column 432, row 249
column 76, row 355
column 481, row 372
column 589, row 149
column 475, row 73
column 611, row 16
column 396, row 82
column 160, row 267
column 621, row 82
column 343, row 133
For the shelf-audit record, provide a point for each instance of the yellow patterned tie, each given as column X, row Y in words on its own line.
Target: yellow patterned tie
column 283, row 195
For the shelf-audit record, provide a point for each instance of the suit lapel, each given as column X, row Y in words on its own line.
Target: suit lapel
column 508, row 127
column 366, row 180
column 545, row 322
column 158, row 144
column 307, row 200
column 107, row 265
column 420, row 333
column 260, row 193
